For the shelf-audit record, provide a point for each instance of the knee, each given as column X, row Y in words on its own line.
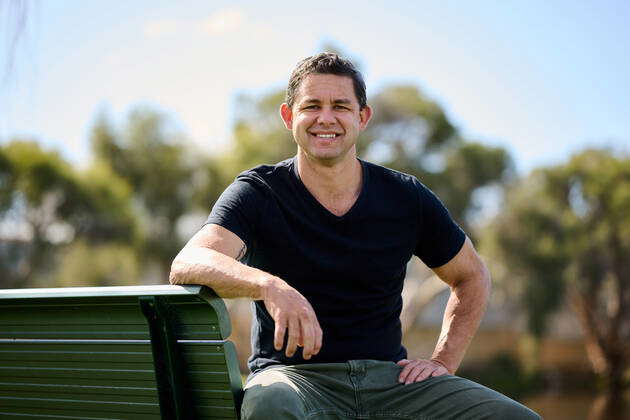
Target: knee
column 277, row 400
column 509, row 409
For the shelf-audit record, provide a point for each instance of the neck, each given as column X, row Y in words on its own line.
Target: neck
column 338, row 179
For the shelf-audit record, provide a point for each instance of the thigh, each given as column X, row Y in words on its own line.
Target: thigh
column 268, row 395
column 304, row 392
column 452, row 397
column 443, row 397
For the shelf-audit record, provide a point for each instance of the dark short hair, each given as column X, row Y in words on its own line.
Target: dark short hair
column 326, row 63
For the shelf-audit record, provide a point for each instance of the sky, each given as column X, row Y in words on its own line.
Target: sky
column 542, row 79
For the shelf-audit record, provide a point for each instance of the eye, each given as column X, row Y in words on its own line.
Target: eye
column 311, row 107
column 341, row 107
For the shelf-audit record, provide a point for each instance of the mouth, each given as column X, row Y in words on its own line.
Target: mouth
column 325, row 135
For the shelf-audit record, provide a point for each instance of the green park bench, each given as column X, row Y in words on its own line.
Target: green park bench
column 146, row 352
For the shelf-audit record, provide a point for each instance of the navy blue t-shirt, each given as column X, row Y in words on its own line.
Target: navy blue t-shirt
column 350, row 268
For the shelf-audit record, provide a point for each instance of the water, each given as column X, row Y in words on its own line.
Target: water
column 574, row 407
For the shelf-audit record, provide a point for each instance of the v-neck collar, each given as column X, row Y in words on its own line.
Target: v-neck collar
column 321, row 208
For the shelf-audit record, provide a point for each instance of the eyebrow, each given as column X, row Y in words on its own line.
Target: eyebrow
column 342, row 101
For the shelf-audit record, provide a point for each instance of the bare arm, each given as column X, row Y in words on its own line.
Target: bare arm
column 211, row 258
column 469, row 281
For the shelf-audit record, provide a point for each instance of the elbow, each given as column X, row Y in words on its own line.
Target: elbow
column 484, row 281
column 190, row 266
column 176, row 275
column 475, row 283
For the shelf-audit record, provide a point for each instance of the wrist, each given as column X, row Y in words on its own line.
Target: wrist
column 265, row 285
column 443, row 364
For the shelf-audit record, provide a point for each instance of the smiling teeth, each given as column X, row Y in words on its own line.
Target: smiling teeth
column 326, row 136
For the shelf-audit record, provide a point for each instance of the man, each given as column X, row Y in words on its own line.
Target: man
column 326, row 238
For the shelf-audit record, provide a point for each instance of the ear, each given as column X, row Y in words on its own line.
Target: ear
column 287, row 116
column 365, row 115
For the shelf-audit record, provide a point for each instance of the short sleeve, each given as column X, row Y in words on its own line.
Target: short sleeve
column 439, row 238
column 238, row 210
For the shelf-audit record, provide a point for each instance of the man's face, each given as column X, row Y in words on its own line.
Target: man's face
column 325, row 118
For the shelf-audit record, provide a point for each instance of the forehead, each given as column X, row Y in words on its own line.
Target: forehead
column 326, row 87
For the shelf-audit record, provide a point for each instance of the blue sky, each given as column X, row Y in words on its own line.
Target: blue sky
column 543, row 79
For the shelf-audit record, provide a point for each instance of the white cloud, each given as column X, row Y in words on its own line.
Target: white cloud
column 161, row 27
column 223, row 21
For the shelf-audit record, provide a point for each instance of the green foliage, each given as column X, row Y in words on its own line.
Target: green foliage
column 111, row 216
column 166, row 177
column 409, row 124
column 7, row 180
column 505, row 374
column 208, row 182
column 523, row 238
column 470, row 166
column 94, row 203
column 259, row 134
column 45, row 196
column 130, row 199
column 566, row 225
column 150, row 158
column 108, row 264
column 50, row 204
column 411, row 133
column 40, row 173
column 564, row 232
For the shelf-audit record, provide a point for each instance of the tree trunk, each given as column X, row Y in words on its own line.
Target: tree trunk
column 607, row 355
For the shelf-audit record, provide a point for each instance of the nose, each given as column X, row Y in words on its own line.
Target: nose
column 326, row 116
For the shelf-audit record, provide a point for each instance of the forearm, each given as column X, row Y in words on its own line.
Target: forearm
column 291, row 312
column 226, row 276
column 464, row 311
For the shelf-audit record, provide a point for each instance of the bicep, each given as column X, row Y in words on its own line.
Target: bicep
column 220, row 239
column 466, row 264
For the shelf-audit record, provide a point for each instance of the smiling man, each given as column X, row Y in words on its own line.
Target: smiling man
column 320, row 243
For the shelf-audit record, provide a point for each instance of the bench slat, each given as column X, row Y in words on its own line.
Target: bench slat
column 86, row 353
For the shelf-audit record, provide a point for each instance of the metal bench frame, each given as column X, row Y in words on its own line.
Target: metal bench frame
column 178, row 323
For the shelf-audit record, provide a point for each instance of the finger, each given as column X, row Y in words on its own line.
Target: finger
column 294, row 336
column 425, row 373
column 418, row 373
column 278, row 335
column 405, row 372
column 439, row 372
column 403, row 362
column 308, row 339
column 319, row 337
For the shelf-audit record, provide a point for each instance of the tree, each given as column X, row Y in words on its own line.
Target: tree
column 565, row 232
column 411, row 133
column 97, row 264
column 259, row 135
column 7, row 181
column 166, row 178
column 48, row 205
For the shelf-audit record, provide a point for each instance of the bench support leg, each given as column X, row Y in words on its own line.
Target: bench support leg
column 169, row 377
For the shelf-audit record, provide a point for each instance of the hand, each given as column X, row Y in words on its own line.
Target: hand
column 292, row 314
column 419, row 370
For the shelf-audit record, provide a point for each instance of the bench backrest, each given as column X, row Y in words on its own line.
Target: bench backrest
column 117, row 353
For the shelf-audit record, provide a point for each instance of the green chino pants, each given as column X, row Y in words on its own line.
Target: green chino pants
column 369, row 389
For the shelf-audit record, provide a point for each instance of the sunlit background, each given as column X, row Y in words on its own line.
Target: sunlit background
column 121, row 122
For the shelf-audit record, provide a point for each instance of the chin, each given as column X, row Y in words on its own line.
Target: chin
column 328, row 158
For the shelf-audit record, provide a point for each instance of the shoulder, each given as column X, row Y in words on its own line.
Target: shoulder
column 387, row 173
column 393, row 180
column 267, row 175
